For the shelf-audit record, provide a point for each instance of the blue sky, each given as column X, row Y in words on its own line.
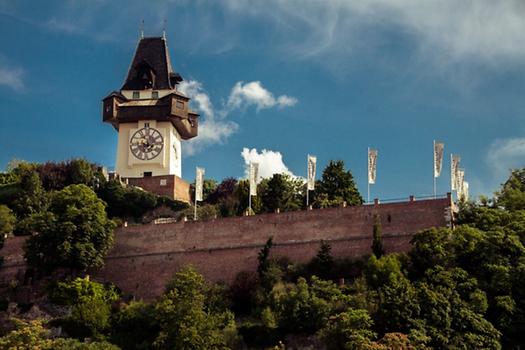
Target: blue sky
column 329, row 78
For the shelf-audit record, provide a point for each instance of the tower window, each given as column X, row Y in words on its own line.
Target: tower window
column 136, row 94
column 154, row 94
column 148, row 174
column 180, row 105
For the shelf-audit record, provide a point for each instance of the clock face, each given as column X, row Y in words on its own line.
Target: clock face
column 146, row 143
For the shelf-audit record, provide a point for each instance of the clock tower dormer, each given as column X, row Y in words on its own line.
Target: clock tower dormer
column 152, row 119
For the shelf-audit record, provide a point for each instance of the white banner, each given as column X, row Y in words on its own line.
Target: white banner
column 438, row 157
column 199, row 181
column 372, row 164
column 454, row 169
column 254, row 174
column 461, row 183
column 312, row 162
column 465, row 190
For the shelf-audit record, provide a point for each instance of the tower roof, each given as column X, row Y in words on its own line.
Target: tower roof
column 151, row 67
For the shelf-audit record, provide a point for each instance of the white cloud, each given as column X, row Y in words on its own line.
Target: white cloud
column 484, row 31
column 212, row 130
column 270, row 162
column 254, row 94
column 505, row 154
column 63, row 26
column 332, row 31
column 195, row 91
column 214, row 127
column 12, row 77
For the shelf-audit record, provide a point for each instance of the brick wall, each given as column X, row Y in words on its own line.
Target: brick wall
column 145, row 257
column 165, row 185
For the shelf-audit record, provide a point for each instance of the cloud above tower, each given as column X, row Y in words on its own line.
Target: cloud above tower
column 506, row 154
column 215, row 127
column 11, row 77
column 254, row 94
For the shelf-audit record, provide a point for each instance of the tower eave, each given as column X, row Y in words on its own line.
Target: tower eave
column 173, row 107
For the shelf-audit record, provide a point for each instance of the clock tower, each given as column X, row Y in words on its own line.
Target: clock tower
column 152, row 119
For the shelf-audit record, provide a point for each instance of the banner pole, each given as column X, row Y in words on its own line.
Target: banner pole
column 368, row 173
column 307, row 179
column 451, row 178
column 434, row 166
column 307, row 195
column 195, row 196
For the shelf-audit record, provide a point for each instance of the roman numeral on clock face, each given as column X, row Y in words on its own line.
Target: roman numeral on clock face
column 146, row 143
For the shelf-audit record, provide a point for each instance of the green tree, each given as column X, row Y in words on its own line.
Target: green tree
column 397, row 340
column 336, row 186
column 243, row 292
column 33, row 335
column 282, row 192
column 126, row 202
column 57, row 175
column 186, row 322
column 512, row 193
column 397, row 305
column 398, row 308
column 209, row 186
column 490, row 250
column 80, row 171
column 429, row 248
column 242, row 192
column 377, row 239
column 264, row 257
column 26, row 336
column 135, row 326
column 350, row 330
column 224, row 196
column 451, row 314
column 204, row 212
column 75, row 233
column 299, row 309
column 90, row 304
column 32, row 198
column 7, row 223
column 379, row 272
column 323, row 264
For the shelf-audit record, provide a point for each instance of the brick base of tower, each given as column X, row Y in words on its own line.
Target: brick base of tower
column 170, row 186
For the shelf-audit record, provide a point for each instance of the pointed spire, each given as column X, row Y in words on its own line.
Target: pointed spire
column 142, row 29
column 164, row 29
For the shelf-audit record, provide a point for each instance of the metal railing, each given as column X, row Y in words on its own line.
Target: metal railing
column 407, row 199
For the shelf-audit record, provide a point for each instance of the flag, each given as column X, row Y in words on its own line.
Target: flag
column 438, row 157
column 312, row 161
column 199, row 181
column 454, row 169
column 254, row 174
column 461, row 183
column 372, row 162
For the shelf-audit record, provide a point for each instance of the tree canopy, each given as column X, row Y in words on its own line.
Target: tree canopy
column 73, row 233
column 512, row 193
column 336, row 186
column 7, row 222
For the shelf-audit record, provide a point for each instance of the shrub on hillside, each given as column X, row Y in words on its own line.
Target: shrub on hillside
column 186, row 319
column 135, row 326
column 90, row 304
column 126, row 202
